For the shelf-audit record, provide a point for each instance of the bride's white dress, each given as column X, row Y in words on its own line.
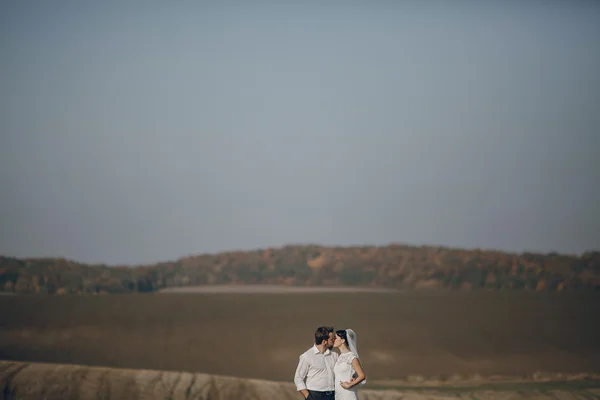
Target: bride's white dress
column 343, row 371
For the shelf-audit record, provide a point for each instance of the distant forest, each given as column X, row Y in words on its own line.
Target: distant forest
column 394, row 266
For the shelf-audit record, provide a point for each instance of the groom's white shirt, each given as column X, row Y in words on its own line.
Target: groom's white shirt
column 315, row 370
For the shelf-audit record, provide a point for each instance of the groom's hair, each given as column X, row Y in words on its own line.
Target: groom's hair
column 322, row 333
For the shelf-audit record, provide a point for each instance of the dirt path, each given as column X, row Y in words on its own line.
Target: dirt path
column 271, row 289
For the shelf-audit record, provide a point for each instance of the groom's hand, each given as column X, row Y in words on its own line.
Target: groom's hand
column 305, row 393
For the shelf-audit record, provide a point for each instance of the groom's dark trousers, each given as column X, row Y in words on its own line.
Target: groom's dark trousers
column 314, row 395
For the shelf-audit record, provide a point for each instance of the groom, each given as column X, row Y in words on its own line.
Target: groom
column 314, row 376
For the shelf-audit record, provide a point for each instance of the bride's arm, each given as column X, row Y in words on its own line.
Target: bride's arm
column 360, row 375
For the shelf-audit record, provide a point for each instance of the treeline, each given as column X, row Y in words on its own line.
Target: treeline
column 393, row 266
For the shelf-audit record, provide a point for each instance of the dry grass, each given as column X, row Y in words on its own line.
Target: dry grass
column 261, row 335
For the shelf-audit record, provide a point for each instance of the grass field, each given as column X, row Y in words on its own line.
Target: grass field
column 433, row 334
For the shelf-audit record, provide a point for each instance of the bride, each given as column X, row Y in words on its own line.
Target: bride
column 348, row 370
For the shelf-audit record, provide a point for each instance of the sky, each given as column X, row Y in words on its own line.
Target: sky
column 136, row 132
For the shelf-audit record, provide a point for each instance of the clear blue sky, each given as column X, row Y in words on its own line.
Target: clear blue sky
column 133, row 132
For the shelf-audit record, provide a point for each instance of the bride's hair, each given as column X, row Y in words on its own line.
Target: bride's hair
column 342, row 334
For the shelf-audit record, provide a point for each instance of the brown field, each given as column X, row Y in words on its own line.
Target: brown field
column 432, row 334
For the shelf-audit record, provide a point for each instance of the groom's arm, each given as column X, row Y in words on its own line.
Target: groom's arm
column 300, row 376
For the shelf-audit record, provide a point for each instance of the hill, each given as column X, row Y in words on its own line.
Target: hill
column 393, row 266
column 59, row 381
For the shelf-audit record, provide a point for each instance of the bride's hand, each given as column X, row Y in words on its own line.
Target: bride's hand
column 346, row 385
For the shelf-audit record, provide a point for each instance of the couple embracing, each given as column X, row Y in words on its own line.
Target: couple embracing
column 323, row 373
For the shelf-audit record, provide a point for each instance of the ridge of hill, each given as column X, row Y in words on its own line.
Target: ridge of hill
column 395, row 266
column 26, row 380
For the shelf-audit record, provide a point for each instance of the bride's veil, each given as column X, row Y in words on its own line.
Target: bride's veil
column 351, row 336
